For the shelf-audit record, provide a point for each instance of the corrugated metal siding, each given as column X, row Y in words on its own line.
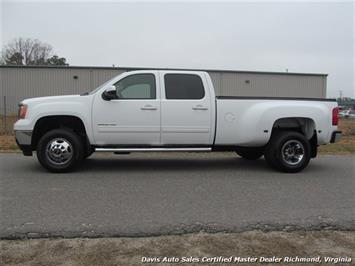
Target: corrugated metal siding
column 42, row 82
column 20, row 83
column 273, row 85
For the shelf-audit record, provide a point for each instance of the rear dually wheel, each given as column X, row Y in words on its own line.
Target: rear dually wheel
column 288, row 151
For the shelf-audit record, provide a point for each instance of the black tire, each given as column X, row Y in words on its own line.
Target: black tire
column 250, row 154
column 298, row 152
column 60, row 150
column 88, row 153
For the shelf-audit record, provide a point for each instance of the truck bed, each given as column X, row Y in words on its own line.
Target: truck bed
column 248, row 121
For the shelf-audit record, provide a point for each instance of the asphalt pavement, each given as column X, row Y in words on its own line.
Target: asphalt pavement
column 154, row 194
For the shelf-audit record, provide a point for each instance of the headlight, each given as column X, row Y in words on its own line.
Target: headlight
column 22, row 111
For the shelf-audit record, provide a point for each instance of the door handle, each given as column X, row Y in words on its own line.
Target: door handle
column 149, row 107
column 199, row 107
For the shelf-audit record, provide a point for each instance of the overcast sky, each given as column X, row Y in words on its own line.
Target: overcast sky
column 268, row 36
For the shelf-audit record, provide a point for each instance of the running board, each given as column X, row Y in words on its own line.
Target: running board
column 151, row 149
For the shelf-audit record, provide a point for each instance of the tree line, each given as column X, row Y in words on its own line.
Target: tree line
column 26, row 51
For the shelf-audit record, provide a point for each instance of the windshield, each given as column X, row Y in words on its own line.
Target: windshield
column 101, row 86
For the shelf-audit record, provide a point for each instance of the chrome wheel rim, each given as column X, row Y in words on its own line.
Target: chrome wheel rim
column 59, row 151
column 292, row 152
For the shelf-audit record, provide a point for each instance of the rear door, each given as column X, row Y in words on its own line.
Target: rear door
column 186, row 111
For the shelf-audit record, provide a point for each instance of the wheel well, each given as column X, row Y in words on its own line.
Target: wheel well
column 48, row 123
column 303, row 125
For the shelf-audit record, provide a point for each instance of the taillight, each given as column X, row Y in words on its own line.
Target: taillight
column 22, row 111
column 335, row 116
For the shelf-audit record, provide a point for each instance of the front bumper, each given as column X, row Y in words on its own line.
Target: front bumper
column 23, row 137
column 23, row 140
column 336, row 136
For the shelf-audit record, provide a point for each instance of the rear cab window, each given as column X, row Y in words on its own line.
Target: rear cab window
column 183, row 87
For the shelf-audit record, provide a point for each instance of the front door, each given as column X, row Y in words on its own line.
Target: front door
column 131, row 119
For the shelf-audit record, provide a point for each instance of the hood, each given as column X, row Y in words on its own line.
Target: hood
column 48, row 99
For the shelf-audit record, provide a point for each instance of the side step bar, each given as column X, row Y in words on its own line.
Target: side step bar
column 151, row 149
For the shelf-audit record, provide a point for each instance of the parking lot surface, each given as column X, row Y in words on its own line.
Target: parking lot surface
column 154, row 194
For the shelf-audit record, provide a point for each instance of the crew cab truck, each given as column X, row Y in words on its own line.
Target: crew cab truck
column 173, row 111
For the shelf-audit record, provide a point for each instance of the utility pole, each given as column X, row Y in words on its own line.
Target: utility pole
column 5, row 116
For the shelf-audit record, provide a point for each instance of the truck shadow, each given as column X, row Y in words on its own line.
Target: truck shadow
column 171, row 164
column 182, row 164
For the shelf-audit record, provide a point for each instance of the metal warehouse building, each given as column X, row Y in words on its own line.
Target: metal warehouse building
column 19, row 82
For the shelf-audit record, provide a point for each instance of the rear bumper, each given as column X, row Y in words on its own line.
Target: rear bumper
column 23, row 140
column 336, row 136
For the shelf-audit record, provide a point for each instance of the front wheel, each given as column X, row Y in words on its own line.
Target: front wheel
column 89, row 152
column 288, row 151
column 60, row 150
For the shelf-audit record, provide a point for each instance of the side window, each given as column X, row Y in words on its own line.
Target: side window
column 139, row 86
column 183, row 86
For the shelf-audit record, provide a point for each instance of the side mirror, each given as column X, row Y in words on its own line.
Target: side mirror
column 109, row 93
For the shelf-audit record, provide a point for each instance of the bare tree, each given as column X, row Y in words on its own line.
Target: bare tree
column 26, row 51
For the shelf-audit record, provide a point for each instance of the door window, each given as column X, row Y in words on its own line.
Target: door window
column 138, row 86
column 183, row 86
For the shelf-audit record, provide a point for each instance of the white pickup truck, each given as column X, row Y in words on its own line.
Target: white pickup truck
column 173, row 111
